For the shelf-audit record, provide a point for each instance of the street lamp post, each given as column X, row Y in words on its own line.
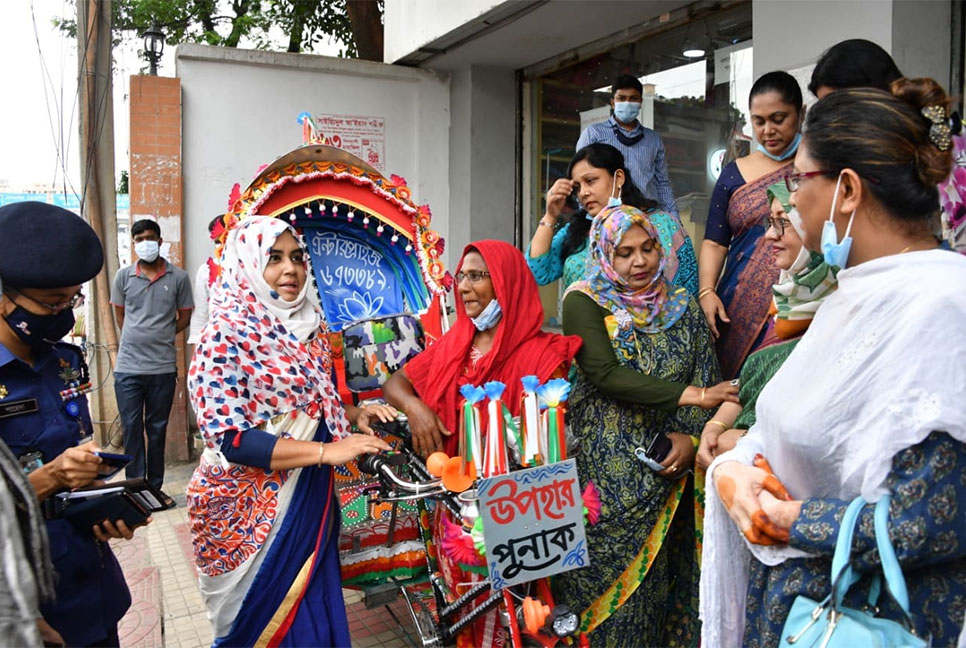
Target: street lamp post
column 153, row 46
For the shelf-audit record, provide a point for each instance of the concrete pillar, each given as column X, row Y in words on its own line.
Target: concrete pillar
column 482, row 148
column 922, row 39
column 156, row 192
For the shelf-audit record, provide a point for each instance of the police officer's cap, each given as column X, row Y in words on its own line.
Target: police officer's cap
column 45, row 246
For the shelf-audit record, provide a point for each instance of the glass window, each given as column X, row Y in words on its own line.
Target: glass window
column 698, row 104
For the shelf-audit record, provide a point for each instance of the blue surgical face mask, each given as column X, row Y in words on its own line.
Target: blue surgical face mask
column 836, row 253
column 489, row 317
column 787, row 153
column 614, row 201
column 626, row 111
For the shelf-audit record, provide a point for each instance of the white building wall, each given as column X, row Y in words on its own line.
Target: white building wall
column 789, row 34
column 922, row 39
column 460, row 168
column 411, row 24
column 792, row 33
column 493, row 138
column 240, row 108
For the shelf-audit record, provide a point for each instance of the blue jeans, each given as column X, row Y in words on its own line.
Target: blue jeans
column 144, row 403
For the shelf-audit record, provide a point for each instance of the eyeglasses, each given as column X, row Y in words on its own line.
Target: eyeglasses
column 780, row 224
column 794, row 180
column 73, row 302
column 475, row 276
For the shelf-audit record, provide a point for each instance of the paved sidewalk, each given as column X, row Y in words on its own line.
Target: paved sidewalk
column 167, row 610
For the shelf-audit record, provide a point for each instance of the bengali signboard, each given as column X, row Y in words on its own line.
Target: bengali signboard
column 363, row 136
column 355, row 281
column 533, row 523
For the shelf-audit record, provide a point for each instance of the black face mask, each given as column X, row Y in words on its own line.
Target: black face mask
column 40, row 331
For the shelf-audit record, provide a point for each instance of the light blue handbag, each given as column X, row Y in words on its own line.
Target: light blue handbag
column 828, row 624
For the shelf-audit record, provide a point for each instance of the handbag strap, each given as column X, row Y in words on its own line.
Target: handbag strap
column 843, row 543
column 887, row 555
column 843, row 576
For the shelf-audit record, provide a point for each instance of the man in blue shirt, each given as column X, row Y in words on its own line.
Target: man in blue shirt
column 641, row 147
column 48, row 253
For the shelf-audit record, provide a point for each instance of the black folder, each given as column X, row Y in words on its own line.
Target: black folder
column 131, row 500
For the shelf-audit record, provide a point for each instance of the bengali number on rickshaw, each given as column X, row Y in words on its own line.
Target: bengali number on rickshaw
column 533, row 523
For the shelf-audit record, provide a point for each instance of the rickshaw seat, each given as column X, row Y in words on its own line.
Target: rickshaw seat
column 376, row 348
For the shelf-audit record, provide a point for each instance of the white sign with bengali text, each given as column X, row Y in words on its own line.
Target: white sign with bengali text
column 363, row 136
column 533, row 523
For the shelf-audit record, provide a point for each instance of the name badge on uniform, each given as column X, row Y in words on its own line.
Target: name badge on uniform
column 16, row 408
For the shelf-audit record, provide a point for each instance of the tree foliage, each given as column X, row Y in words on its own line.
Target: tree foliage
column 299, row 24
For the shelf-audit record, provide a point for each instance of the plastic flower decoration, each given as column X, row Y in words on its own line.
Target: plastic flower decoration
column 554, row 392
column 472, row 393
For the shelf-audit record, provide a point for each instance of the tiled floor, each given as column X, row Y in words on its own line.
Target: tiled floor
column 167, row 609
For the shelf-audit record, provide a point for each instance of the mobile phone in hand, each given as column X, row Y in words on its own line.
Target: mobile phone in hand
column 112, row 463
column 655, row 453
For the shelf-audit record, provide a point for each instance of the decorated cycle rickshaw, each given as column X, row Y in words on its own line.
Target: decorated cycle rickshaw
column 382, row 286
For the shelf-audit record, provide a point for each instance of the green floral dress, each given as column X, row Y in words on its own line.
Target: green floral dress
column 755, row 374
column 609, row 424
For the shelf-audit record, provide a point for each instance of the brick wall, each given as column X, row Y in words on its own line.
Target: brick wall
column 155, row 151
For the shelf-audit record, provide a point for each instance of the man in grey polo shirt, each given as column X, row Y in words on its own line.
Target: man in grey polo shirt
column 152, row 302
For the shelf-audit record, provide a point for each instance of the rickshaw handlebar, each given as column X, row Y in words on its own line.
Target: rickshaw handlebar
column 381, row 465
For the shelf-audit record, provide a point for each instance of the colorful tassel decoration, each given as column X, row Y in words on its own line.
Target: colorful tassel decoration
column 471, row 442
column 530, row 422
column 552, row 396
column 495, row 459
column 459, row 545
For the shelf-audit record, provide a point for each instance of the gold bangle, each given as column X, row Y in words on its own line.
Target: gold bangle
column 704, row 390
column 705, row 291
column 717, row 422
column 321, row 452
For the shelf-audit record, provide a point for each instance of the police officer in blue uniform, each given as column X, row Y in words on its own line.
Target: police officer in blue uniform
column 48, row 253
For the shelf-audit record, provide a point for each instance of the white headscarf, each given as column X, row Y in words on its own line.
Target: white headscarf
column 257, row 357
column 247, row 250
column 882, row 366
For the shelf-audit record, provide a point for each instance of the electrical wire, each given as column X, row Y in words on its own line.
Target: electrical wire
column 114, row 433
column 56, row 123
column 97, row 119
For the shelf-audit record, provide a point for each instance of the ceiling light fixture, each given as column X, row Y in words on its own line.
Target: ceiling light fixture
column 691, row 49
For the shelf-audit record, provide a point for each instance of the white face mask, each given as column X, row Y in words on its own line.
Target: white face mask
column 489, row 317
column 147, row 251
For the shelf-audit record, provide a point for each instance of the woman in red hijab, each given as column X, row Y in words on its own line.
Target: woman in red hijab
column 496, row 336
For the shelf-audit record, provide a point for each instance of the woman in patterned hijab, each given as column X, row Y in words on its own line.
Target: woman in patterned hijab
column 646, row 365
column 262, row 506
